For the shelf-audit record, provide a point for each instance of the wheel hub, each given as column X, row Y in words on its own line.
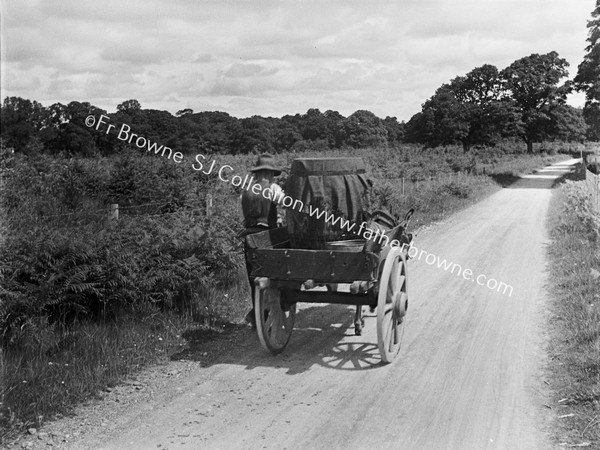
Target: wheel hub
column 400, row 305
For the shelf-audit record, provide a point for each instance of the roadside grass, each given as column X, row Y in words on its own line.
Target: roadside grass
column 49, row 369
column 52, row 367
column 575, row 327
column 48, row 372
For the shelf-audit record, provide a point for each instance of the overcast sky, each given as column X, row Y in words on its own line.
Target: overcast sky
column 272, row 58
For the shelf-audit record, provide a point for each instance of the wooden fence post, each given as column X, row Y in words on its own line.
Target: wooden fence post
column 597, row 179
column 113, row 212
column 209, row 205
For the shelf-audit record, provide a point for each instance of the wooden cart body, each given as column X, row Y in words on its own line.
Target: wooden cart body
column 281, row 275
column 271, row 257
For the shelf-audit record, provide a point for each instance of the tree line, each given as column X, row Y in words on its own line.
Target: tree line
column 526, row 100
column 29, row 127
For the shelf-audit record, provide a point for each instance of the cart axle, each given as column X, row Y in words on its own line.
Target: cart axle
column 339, row 298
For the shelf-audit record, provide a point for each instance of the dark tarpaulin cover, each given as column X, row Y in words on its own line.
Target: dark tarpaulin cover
column 336, row 185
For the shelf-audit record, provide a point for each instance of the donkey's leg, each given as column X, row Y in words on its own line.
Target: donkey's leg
column 359, row 321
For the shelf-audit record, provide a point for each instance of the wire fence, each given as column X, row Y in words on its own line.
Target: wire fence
column 41, row 214
column 26, row 216
column 407, row 185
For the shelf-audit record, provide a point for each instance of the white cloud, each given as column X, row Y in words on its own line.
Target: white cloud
column 272, row 58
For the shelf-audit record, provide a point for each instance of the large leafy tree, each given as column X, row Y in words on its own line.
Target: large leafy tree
column 569, row 123
column 285, row 136
column 255, row 135
column 472, row 110
column 480, row 86
column 323, row 128
column 21, row 120
column 335, row 121
column 533, row 82
column 415, row 128
column 490, row 113
column 443, row 120
column 213, row 131
column 129, row 106
column 70, row 134
column 362, row 129
column 395, row 129
column 314, row 126
column 588, row 76
column 131, row 113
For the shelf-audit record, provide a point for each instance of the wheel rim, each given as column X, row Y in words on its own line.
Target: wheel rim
column 392, row 302
column 273, row 325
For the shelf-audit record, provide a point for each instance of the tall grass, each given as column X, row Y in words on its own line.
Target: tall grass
column 49, row 371
column 575, row 347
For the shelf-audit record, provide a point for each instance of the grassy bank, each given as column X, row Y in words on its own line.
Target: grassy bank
column 575, row 340
column 53, row 371
column 86, row 304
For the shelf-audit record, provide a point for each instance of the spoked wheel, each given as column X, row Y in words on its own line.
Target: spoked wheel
column 274, row 318
column 392, row 302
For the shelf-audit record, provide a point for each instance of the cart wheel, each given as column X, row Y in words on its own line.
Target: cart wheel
column 392, row 302
column 273, row 324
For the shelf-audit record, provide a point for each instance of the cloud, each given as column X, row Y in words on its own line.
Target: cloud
column 203, row 58
column 238, row 70
column 272, row 58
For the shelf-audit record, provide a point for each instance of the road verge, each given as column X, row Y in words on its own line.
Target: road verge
column 574, row 253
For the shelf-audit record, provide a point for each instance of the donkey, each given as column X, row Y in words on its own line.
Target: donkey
column 383, row 221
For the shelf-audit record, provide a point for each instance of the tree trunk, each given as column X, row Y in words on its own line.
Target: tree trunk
column 529, row 146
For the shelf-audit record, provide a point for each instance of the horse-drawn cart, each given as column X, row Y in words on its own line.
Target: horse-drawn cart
column 352, row 269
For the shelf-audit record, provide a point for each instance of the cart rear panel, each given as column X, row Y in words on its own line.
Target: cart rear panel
column 325, row 266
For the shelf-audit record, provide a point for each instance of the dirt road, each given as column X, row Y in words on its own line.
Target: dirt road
column 470, row 374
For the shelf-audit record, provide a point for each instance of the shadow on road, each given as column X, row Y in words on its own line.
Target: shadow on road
column 546, row 178
column 352, row 356
column 504, row 179
column 316, row 340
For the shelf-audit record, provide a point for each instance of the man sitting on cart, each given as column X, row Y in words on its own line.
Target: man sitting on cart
column 260, row 211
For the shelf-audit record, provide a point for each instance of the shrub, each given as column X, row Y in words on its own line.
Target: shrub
column 456, row 188
column 578, row 200
column 93, row 272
